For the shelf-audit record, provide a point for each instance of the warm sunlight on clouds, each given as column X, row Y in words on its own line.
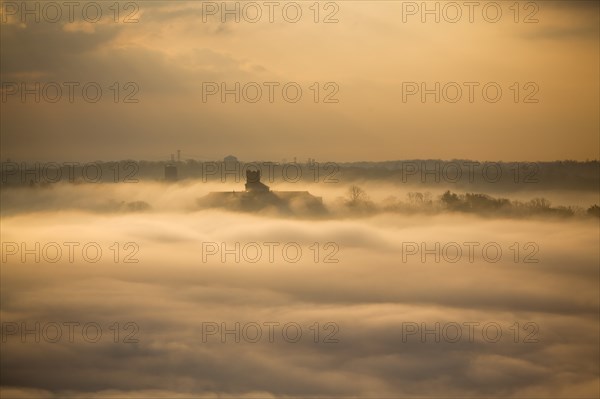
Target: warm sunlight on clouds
column 373, row 296
column 372, row 49
column 299, row 199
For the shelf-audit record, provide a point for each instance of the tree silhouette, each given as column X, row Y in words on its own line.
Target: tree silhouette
column 356, row 195
column 450, row 199
column 594, row 210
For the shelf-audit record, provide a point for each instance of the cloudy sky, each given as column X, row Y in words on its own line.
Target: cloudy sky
column 366, row 58
column 408, row 302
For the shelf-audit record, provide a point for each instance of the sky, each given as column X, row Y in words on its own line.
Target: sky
column 163, row 278
column 357, row 68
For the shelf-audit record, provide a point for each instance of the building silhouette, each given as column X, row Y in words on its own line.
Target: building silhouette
column 170, row 172
column 253, row 183
column 171, row 168
column 258, row 196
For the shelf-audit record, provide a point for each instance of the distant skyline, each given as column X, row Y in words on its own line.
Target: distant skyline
column 286, row 160
column 370, row 55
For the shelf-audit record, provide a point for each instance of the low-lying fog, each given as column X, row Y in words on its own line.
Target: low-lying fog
column 331, row 306
column 183, row 196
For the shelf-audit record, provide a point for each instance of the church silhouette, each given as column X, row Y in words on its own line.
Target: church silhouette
column 258, row 196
